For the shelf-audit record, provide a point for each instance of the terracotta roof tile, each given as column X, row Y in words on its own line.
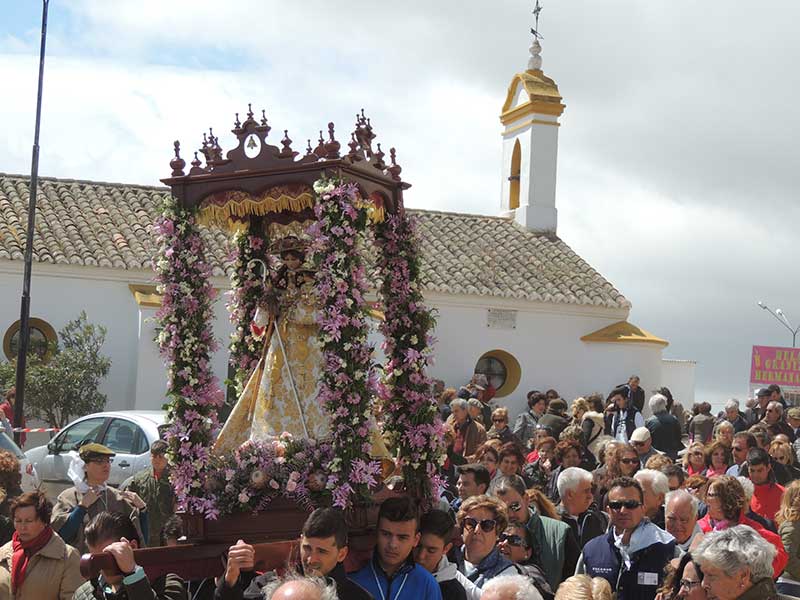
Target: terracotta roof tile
column 109, row 225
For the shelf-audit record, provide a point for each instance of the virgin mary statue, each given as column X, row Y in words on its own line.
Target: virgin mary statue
column 281, row 394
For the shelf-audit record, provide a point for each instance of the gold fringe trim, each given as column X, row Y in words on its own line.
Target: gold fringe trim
column 231, row 213
column 242, row 205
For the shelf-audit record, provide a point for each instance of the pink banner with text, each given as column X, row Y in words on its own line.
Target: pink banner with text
column 771, row 364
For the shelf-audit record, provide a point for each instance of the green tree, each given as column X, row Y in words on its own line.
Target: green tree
column 65, row 384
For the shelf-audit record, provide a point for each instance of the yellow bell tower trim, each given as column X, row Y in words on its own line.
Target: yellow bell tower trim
column 543, row 97
column 624, row 333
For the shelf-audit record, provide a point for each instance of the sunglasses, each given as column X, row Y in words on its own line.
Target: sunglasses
column 619, row 504
column 514, row 506
column 486, row 525
column 498, row 420
column 512, row 539
column 689, row 584
column 638, row 443
column 697, row 453
column 629, row 461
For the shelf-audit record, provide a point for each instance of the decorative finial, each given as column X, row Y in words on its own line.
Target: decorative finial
column 309, row 150
column 196, row 162
column 353, row 145
column 394, row 169
column 177, row 163
column 378, row 162
column 332, row 146
column 535, row 60
column 263, row 116
column 320, row 149
column 287, row 145
column 237, row 124
column 249, row 110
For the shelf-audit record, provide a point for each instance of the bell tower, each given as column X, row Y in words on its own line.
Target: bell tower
column 530, row 118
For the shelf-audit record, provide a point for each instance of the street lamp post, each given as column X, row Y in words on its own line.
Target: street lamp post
column 780, row 316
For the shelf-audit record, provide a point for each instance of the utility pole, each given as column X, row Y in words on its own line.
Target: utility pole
column 25, row 304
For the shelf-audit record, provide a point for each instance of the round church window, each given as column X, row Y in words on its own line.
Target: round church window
column 42, row 338
column 502, row 371
column 494, row 370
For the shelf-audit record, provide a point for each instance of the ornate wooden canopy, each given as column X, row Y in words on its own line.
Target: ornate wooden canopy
column 257, row 172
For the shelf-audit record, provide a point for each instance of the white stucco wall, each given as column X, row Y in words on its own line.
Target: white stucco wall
column 547, row 344
column 546, row 340
column 679, row 377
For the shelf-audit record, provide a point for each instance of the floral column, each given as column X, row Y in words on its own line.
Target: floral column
column 347, row 382
column 411, row 417
column 186, row 343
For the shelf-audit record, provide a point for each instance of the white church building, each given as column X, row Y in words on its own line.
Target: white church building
column 513, row 300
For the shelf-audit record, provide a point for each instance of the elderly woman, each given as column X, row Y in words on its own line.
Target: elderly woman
column 481, row 519
column 718, row 459
column 78, row 505
column 500, row 429
column 469, row 434
column 37, row 564
column 694, row 461
column 583, row 587
column 727, row 502
column 737, row 565
column 788, row 519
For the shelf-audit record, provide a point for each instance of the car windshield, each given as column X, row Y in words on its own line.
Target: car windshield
column 7, row 444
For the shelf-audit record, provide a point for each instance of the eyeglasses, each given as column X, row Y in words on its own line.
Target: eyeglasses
column 620, row 504
column 498, row 420
column 638, row 443
column 629, row 461
column 689, row 584
column 486, row 525
column 512, row 539
column 101, row 461
column 514, row 506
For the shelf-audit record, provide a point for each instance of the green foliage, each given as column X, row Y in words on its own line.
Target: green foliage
column 64, row 385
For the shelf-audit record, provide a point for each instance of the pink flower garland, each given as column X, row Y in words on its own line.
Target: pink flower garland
column 411, row 417
column 246, row 291
column 187, row 343
column 348, row 381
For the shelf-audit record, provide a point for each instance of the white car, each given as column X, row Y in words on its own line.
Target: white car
column 129, row 433
column 30, row 479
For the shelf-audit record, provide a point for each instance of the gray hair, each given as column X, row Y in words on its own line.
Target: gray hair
column 776, row 405
column 749, row 488
column 724, row 425
column 658, row 404
column 569, row 479
column 658, row 482
column 734, row 549
column 679, row 495
column 458, row 403
column 325, row 589
column 475, row 403
column 508, row 482
column 731, row 404
column 520, row 584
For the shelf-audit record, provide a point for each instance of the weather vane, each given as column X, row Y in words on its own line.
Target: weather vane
column 535, row 30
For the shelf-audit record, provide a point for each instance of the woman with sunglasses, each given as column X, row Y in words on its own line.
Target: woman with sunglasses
column 517, row 544
column 500, row 429
column 694, row 461
column 727, row 503
column 480, row 519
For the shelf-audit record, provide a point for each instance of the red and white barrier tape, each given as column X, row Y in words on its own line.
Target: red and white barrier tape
column 35, row 429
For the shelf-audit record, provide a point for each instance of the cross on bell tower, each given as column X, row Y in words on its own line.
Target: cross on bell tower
column 530, row 116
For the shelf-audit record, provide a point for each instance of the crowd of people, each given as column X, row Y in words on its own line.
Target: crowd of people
column 581, row 500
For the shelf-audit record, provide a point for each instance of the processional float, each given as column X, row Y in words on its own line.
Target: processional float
column 314, row 236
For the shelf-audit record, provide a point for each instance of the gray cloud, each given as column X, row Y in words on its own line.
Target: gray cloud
column 677, row 166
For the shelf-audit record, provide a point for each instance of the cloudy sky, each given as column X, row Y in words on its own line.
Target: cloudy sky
column 678, row 160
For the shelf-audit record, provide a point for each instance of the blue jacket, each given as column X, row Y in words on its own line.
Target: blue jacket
column 410, row 582
column 650, row 549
